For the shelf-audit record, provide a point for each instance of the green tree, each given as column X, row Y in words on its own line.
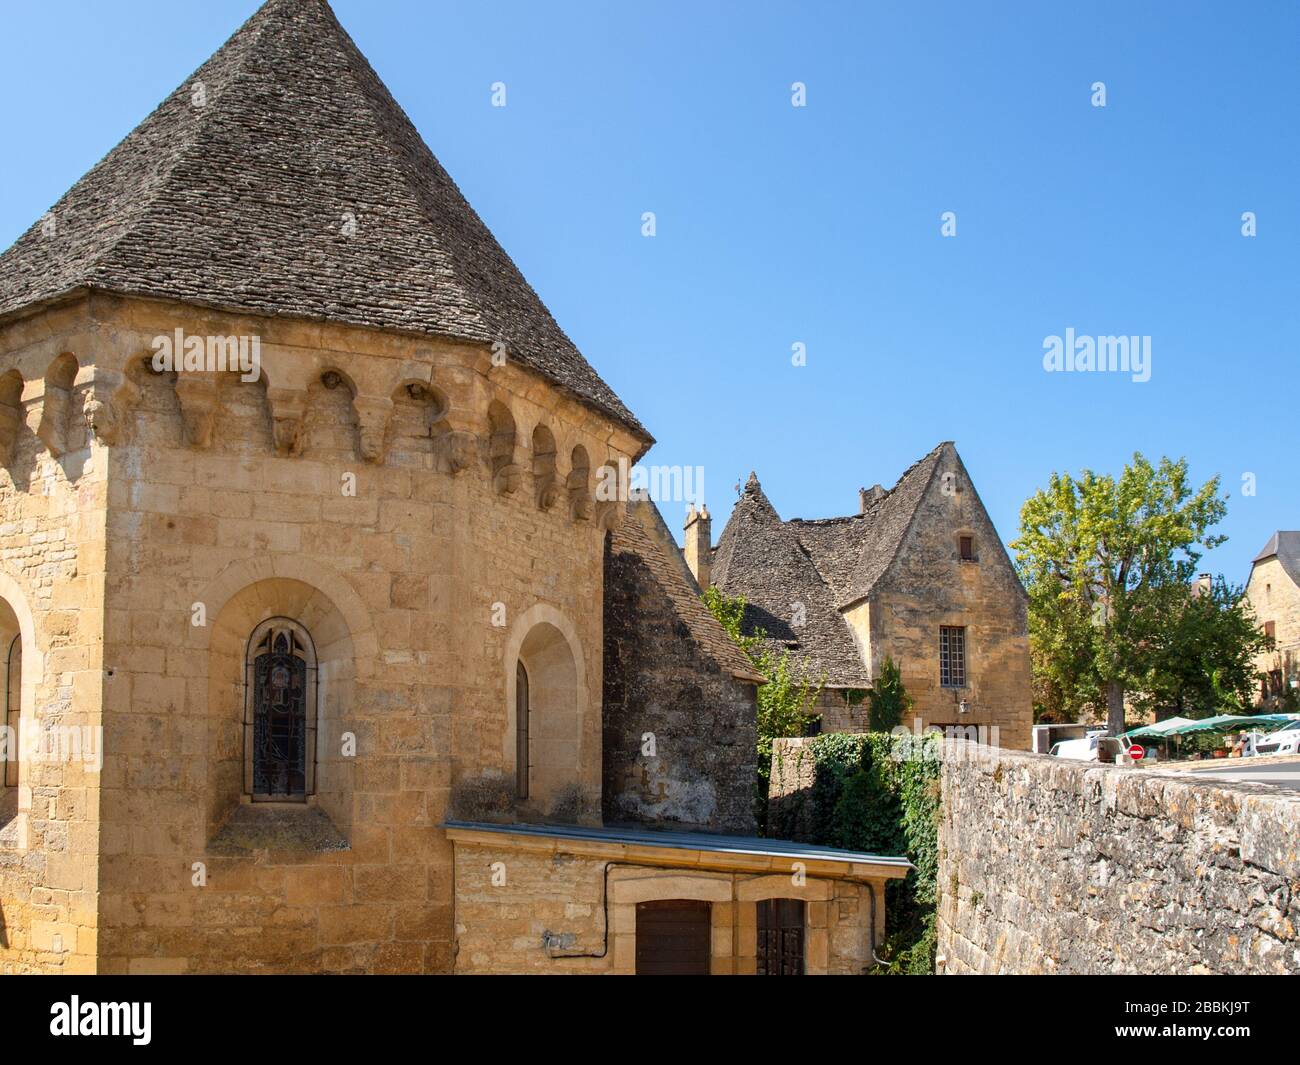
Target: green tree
column 889, row 701
column 1097, row 555
column 1202, row 660
column 784, row 701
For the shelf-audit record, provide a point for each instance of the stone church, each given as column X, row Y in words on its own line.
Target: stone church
column 919, row 575
column 324, row 653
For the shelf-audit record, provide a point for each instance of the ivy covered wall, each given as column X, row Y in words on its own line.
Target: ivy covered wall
column 876, row 793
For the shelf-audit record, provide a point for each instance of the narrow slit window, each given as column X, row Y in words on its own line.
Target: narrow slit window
column 13, row 708
column 521, row 731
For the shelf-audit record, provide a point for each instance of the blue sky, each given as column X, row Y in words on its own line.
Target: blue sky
column 821, row 225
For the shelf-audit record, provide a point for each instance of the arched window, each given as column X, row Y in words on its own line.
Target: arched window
column 521, row 731
column 13, row 707
column 280, row 713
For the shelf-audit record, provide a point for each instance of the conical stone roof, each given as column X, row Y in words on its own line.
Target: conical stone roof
column 283, row 179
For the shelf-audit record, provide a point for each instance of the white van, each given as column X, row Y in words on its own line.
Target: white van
column 1085, row 749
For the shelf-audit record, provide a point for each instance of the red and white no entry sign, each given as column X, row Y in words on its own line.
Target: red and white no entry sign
column 1136, row 753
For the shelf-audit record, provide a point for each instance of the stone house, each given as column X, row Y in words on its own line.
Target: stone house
column 324, row 653
column 919, row 575
column 1273, row 592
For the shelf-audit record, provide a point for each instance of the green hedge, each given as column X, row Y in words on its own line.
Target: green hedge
column 879, row 794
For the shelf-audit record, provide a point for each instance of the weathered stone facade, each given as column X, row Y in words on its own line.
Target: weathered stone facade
column 1273, row 592
column 679, row 728
column 534, row 902
column 394, row 566
column 297, row 614
column 840, row 595
column 1055, row 866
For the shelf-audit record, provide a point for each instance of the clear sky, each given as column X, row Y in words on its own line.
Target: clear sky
column 820, row 225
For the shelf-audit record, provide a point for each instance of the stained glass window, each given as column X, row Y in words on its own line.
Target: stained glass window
column 280, row 712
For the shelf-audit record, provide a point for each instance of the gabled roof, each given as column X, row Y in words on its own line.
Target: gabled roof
column 235, row 194
column 645, row 535
column 826, row 564
column 763, row 558
column 887, row 522
column 1286, row 547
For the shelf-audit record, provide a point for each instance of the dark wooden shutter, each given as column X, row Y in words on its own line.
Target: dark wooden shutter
column 672, row 938
column 780, row 937
column 968, row 549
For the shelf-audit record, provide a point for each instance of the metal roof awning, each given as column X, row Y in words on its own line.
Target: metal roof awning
column 686, row 849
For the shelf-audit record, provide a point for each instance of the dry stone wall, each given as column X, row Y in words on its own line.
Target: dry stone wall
column 1057, row 866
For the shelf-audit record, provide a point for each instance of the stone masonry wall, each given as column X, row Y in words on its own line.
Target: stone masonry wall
column 366, row 487
column 1275, row 597
column 52, row 516
column 658, row 680
column 1056, row 866
column 928, row 586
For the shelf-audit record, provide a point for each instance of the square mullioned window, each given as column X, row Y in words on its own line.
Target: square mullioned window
column 952, row 656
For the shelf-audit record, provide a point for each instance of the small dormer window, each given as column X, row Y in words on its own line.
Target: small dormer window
column 966, row 546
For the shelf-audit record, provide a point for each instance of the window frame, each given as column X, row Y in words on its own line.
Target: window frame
column 950, row 677
column 265, row 633
column 773, row 934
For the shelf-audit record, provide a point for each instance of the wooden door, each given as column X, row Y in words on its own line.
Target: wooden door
column 673, row 938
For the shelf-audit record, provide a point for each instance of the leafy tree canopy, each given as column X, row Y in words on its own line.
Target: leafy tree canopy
column 1102, row 559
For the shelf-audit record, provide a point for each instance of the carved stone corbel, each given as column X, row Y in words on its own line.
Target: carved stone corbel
column 507, row 476
column 197, row 393
column 106, row 402
column 373, row 416
column 548, row 490
column 53, row 418
column 507, row 479
column 461, row 446
column 610, row 509
column 10, row 419
column 609, row 516
column 581, row 505
column 288, row 406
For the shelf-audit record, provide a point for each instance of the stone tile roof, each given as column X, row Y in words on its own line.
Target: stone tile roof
column 645, row 535
column 1286, row 546
column 239, row 203
column 826, row 564
column 762, row 558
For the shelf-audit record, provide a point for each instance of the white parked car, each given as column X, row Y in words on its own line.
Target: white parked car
column 1285, row 740
column 1084, row 749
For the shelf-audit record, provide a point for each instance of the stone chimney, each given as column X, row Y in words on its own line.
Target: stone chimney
column 1203, row 585
column 867, row 496
column 699, row 545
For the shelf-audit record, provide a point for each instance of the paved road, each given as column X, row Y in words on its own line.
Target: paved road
column 1280, row 774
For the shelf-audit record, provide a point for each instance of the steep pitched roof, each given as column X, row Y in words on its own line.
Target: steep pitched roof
column 236, row 199
column 762, row 558
column 1286, row 546
column 886, row 523
column 827, row 564
column 646, row 535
